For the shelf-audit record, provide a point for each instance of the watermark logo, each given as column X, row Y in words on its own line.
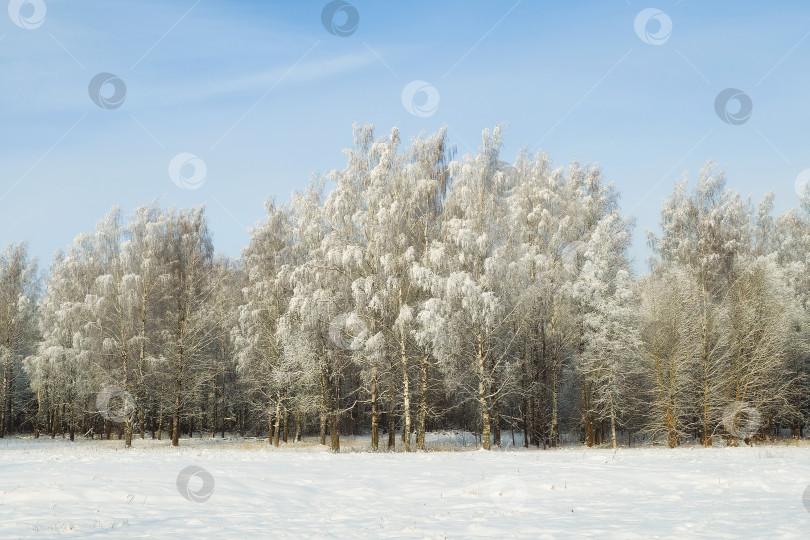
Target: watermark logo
column 187, row 171
column 726, row 113
column 340, row 18
column 801, row 183
column 806, row 498
column 27, row 14
column 653, row 26
column 115, row 404
column 195, row 484
column 347, row 331
column 741, row 419
column 420, row 98
column 108, row 91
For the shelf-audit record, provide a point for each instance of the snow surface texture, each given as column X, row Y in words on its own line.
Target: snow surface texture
column 90, row 489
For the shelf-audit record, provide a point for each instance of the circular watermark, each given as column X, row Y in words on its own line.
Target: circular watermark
column 115, row 404
column 730, row 116
column 192, row 475
column 806, row 498
column 340, row 18
column 653, row 26
column 347, row 331
column 741, row 419
column 802, row 180
column 108, row 91
column 508, row 491
column 187, row 171
column 27, row 14
column 420, row 98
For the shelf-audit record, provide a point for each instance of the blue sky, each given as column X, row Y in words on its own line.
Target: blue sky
column 265, row 96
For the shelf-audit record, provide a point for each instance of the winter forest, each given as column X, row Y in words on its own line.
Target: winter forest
column 415, row 291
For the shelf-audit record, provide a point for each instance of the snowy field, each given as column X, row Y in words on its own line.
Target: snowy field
column 246, row 489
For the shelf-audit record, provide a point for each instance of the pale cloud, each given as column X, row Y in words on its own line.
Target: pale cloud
column 256, row 83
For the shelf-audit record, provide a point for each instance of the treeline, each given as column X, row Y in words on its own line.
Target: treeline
column 412, row 291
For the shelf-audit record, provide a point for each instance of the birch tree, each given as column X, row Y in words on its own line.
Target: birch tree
column 190, row 257
column 19, row 294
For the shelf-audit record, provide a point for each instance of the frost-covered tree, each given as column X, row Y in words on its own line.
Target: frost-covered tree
column 190, row 318
column 410, row 291
column 669, row 328
column 268, row 262
column 61, row 370
column 706, row 231
column 110, row 335
column 320, row 295
column 764, row 324
column 792, row 244
column 465, row 317
column 144, row 253
column 19, row 294
column 605, row 289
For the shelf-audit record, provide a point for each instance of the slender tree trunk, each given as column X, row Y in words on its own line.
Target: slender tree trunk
column 334, row 434
column 524, row 402
column 705, row 359
column 38, row 417
column 542, row 366
column 176, row 420
column 3, row 393
column 555, row 392
column 423, row 390
column 270, row 424
column 130, row 414
column 406, row 396
column 182, row 309
column 706, row 429
column 612, row 423
column 72, row 427
column 214, row 415
column 278, row 421
column 533, row 435
column 523, row 420
column 284, row 430
column 327, row 407
column 10, row 417
column 323, row 428
column 496, row 425
column 482, row 394
column 392, row 427
column 496, row 416
column 141, row 356
column 375, row 411
column 665, row 392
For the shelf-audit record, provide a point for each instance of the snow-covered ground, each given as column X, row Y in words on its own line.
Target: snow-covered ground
column 250, row 490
